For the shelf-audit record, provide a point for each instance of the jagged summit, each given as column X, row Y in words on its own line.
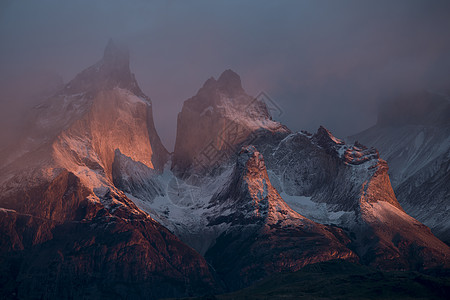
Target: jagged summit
column 263, row 228
column 355, row 154
column 230, row 81
column 251, row 194
column 223, row 117
column 113, row 70
column 325, row 138
column 98, row 112
column 210, row 82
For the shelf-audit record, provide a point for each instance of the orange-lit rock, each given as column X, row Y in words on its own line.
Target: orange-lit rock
column 66, row 230
column 213, row 123
column 265, row 234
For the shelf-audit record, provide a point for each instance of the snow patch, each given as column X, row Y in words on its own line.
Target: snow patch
column 318, row 212
column 131, row 97
column 419, row 140
column 206, row 110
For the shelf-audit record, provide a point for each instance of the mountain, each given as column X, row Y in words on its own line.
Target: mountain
column 93, row 205
column 264, row 235
column 255, row 204
column 413, row 134
column 67, row 230
column 332, row 182
column 219, row 117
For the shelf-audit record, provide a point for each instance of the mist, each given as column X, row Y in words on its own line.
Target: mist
column 323, row 62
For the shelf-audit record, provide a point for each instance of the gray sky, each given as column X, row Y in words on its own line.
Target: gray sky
column 324, row 62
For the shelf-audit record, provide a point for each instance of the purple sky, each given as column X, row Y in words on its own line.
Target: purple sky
column 323, row 62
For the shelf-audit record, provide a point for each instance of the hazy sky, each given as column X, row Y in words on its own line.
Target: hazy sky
column 324, row 62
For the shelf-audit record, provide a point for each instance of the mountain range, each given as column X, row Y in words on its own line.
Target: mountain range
column 94, row 206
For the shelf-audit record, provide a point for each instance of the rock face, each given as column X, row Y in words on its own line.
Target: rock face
column 413, row 134
column 348, row 185
column 101, row 110
column 117, row 252
column 264, row 234
column 260, row 210
column 119, row 117
column 213, row 124
column 67, row 230
column 110, row 72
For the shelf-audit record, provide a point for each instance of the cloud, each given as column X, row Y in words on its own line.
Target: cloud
column 324, row 62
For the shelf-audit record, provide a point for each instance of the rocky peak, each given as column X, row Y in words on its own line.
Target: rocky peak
column 250, row 170
column 101, row 110
column 210, row 83
column 325, row 139
column 251, row 194
column 250, row 159
column 257, row 220
column 230, row 82
column 113, row 70
column 217, row 121
column 359, row 154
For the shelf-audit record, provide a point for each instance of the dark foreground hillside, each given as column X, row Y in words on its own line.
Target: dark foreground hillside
column 344, row 280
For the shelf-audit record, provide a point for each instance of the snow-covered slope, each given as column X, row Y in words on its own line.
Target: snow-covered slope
column 239, row 216
column 348, row 185
column 264, row 234
column 418, row 152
